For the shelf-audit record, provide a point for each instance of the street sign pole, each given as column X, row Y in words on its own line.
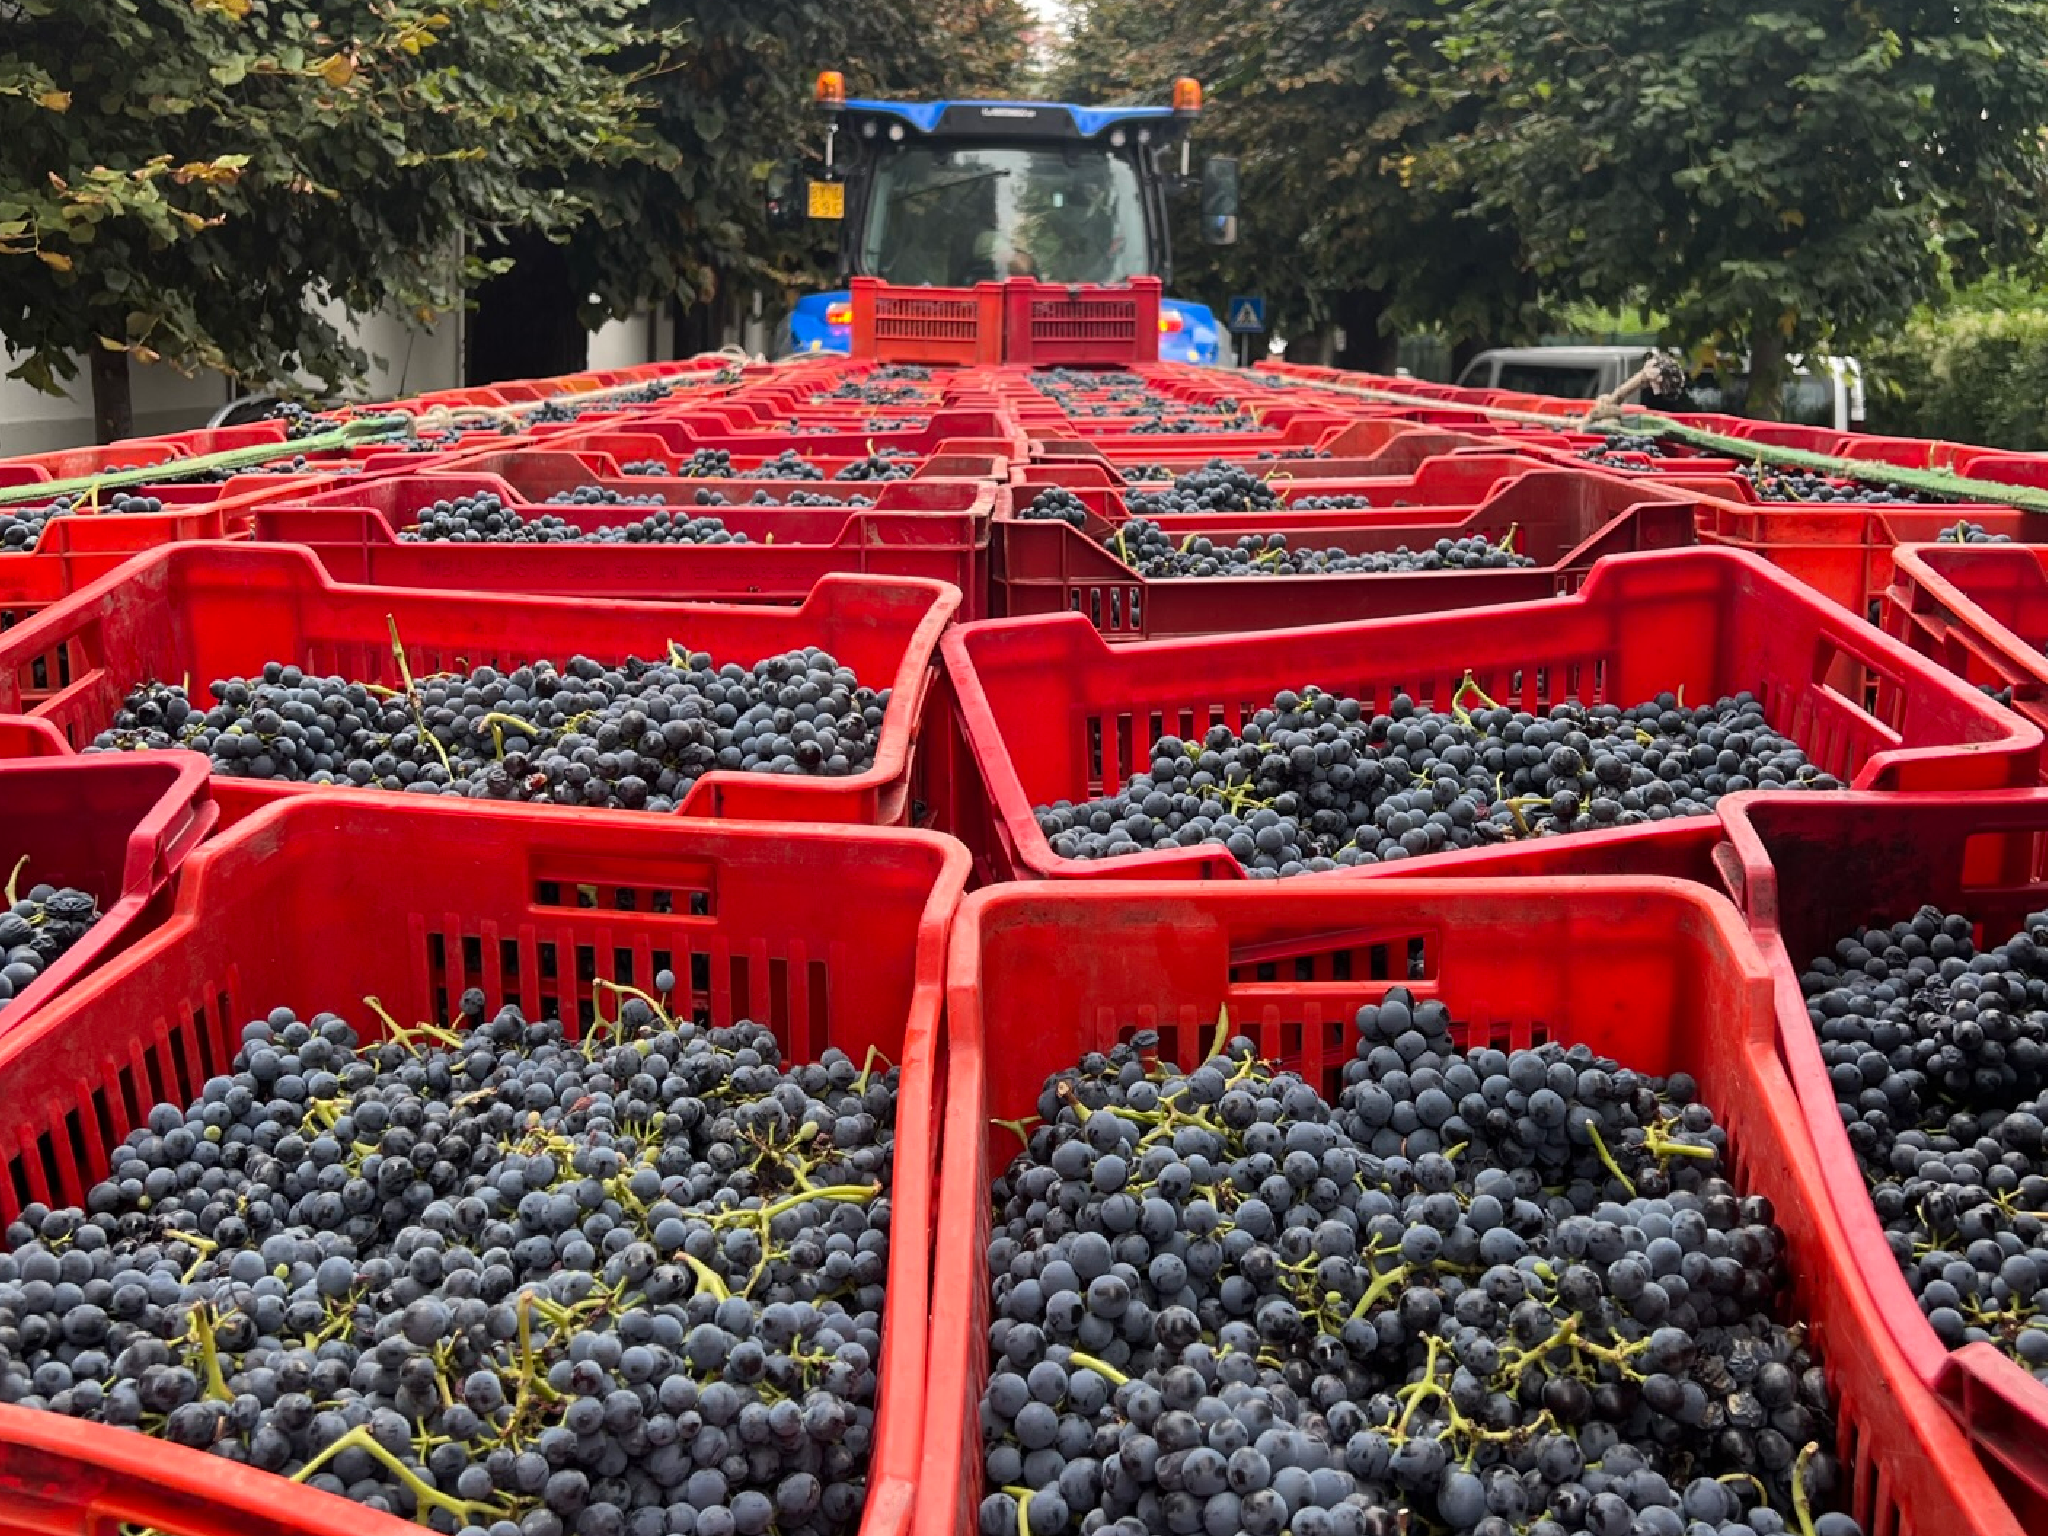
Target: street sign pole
column 1245, row 315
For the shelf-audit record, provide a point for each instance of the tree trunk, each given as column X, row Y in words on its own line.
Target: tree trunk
column 1766, row 371
column 113, row 402
column 1365, row 348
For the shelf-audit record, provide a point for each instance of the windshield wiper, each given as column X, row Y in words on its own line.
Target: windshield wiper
column 944, row 186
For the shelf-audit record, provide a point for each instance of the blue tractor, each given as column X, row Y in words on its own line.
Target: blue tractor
column 951, row 193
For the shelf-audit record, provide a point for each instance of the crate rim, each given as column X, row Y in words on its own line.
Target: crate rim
column 1911, row 569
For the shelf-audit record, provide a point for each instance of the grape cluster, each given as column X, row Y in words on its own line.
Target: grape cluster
column 647, row 467
column 1316, row 782
column 298, row 420
column 891, row 385
column 1218, row 486
column 1483, row 1293
column 898, row 423
column 1138, row 474
column 1967, row 532
column 491, row 1278
column 297, row 464
column 21, row 528
column 786, row 465
column 483, row 518
column 573, row 407
column 1092, row 395
column 1618, row 448
column 438, row 441
column 1182, row 420
column 883, row 464
column 635, row 736
column 1294, row 453
column 709, row 498
column 601, row 496
column 1152, row 551
column 1799, row 485
column 670, row 527
column 37, row 929
column 1938, row 1052
column 1057, row 504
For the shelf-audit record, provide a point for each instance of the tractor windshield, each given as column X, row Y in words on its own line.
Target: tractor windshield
column 955, row 214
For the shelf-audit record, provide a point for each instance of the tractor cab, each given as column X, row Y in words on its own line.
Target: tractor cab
column 954, row 193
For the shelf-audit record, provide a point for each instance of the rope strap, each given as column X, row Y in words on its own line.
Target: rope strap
column 362, row 429
column 1633, row 419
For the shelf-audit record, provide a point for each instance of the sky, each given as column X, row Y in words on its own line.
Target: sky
column 1051, row 12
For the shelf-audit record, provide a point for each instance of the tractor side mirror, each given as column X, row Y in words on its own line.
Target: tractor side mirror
column 1219, row 200
column 784, row 195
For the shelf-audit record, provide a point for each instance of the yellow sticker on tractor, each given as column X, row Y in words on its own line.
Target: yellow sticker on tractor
column 828, row 199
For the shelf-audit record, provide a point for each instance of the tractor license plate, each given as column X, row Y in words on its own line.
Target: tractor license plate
column 828, row 199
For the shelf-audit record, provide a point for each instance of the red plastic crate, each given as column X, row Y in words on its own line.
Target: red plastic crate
column 832, row 937
column 205, row 611
column 397, row 500
column 118, row 828
column 2008, row 468
column 75, row 551
column 1403, row 451
column 1047, row 709
column 1847, row 551
column 1659, row 975
column 1441, row 489
column 789, row 552
column 1981, row 611
column 1081, row 325
column 700, row 428
column 954, row 456
column 927, row 325
column 1812, row 871
column 1563, row 520
column 72, row 463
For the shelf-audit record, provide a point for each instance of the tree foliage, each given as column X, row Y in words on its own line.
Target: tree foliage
column 185, row 179
column 1327, row 108
column 735, row 103
column 1771, row 177
column 1966, row 373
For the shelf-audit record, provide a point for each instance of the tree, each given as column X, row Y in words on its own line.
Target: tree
column 733, row 104
column 187, row 179
column 1328, row 109
column 1772, row 179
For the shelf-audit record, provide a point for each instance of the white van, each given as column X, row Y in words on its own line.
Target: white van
column 1826, row 393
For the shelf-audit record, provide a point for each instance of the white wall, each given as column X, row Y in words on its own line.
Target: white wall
column 405, row 359
column 625, row 343
column 165, row 401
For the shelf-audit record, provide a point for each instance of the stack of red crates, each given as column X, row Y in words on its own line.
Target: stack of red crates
column 836, row 911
